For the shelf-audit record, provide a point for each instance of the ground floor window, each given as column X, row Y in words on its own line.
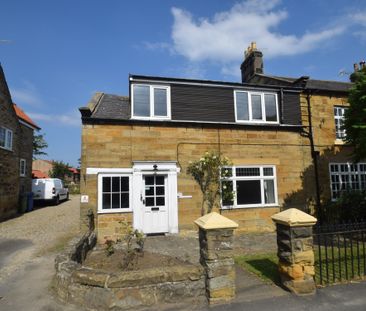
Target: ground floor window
column 252, row 186
column 346, row 176
column 114, row 193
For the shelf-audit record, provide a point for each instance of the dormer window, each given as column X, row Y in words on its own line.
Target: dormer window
column 150, row 101
column 255, row 107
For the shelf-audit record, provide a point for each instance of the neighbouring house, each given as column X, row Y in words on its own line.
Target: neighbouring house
column 135, row 150
column 16, row 150
column 42, row 169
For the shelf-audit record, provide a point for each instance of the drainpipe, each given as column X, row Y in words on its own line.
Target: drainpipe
column 314, row 155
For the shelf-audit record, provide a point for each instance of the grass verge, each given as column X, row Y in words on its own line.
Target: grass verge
column 265, row 266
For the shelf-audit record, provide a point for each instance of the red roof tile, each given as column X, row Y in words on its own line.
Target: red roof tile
column 24, row 117
column 39, row 174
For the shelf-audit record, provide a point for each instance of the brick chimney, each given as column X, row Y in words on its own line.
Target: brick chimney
column 252, row 64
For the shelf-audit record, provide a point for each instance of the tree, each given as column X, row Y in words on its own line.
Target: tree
column 39, row 144
column 207, row 172
column 355, row 116
column 60, row 170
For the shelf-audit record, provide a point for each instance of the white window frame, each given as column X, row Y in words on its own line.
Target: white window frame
column 263, row 106
column 261, row 177
column 152, row 116
column 24, row 171
column 100, row 195
column 349, row 173
column 8, row 144
column 341, row 118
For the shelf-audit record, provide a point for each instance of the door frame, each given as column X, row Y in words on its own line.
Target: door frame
column 168, row 168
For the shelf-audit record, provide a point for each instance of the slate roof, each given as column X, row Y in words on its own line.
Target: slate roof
column 312, row 84
column 112, row 107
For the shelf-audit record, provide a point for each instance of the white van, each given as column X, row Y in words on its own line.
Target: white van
column 49, row 189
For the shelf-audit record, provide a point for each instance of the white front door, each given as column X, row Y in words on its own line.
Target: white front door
column 155, row 211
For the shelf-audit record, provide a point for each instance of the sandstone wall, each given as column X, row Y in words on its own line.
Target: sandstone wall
column 116, row 146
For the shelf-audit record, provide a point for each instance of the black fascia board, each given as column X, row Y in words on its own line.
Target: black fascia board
column 213, row 83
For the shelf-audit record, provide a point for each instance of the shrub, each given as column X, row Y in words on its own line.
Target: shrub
column 207, row 172
column 351, row 206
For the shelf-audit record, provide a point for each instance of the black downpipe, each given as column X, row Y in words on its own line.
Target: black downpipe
column 314, row 155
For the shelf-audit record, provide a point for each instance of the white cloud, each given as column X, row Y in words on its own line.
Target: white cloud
column 26, row 95
column 228, row 33
column 69, row 119
column 224, row 37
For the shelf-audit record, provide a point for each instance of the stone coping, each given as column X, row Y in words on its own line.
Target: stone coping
column 213, row 221
column 135, row 278
column 293, row 217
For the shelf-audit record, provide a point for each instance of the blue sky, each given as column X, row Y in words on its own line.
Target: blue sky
column 56, row 54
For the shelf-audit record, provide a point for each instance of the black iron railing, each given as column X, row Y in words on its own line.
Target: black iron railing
column 339, row 252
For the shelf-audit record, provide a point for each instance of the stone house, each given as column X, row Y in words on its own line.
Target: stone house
column 42, row 169
column 16, row 150
column 136, row 149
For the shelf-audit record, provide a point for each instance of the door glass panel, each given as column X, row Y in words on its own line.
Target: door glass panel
column 159, row 180
column 149, row 180
column 160, row 201
column 256, row 107
column 248, row 192
column 149, row 190
column 149, row 201
column 160, row 190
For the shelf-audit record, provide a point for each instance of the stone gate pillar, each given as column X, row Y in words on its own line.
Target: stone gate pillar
column 216, row 256
column 295, row 250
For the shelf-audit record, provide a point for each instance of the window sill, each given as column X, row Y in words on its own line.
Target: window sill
column 115, row 211
column 7, row 149
column 257, row 122
column 249, row 206
column 151, row 118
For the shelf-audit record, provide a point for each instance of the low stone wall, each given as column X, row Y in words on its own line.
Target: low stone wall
column 95, row 289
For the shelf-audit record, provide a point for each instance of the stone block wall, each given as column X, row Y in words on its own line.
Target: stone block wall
column 26, row 152
column 9, row 161
column 116, row 146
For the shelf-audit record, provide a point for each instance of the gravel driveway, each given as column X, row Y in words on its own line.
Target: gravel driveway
column 33, row 234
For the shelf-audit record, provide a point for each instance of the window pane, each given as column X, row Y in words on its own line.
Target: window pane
column 149, row 201
column 115, row 200
column 149, row 180
column 106, row 204
column 125, row 184
column 160, row 180
column 125, row 200
column 115, row 184
column 268, row 171
column 270, row 104
column 9, row 140
column 256, row 107
column 160, row 102
column 226, row 190
column 2, row 137
column 160, row 201
column 106, row 184
column 242, row 111
column 160, row 190
column 149, row 190
column 247, row 171
column 248, row 192
column 141, row 100
column 269, row 193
